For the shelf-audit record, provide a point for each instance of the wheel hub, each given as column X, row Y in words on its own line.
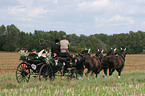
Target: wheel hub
column 24, row 73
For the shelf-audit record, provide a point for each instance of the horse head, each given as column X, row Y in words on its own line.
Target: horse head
column 123, row 52
column 78, row 59
column 79, row 63
column 99, row 54
column 111, row 52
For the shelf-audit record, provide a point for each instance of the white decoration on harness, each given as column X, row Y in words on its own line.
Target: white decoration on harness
column 75, row 60
column 33, row 66
column 63, row 63
column 56, row 62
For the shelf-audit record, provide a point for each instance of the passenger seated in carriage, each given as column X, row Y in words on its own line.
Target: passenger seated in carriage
column 33, row 54
column 42, row 53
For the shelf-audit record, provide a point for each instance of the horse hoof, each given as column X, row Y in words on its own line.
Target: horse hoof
column 80, row 78
column 104, row 76
column 88, row 78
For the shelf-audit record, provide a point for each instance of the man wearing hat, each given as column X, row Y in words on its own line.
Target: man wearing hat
column 64, row 44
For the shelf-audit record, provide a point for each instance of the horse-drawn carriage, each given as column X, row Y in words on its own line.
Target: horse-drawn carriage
column 66, row 65
column 45, row 68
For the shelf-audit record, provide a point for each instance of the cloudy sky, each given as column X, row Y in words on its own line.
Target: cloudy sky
column 74, row 16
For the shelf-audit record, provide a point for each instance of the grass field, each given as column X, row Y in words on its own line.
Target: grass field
column 132, row 81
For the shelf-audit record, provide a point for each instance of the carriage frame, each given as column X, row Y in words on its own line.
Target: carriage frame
column 45, row 68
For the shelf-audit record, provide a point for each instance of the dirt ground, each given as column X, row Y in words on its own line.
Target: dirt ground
column 10, row 60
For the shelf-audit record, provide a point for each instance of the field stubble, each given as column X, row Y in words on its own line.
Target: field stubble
column 131, row 82
column 10, row 60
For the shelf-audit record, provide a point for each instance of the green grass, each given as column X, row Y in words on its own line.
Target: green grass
column 130, row 83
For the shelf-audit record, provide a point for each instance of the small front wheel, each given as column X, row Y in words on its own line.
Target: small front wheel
column 22, row 73
column 72, row 74
column 45, row 72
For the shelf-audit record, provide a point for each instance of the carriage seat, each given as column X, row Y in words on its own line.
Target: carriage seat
column 65, row 56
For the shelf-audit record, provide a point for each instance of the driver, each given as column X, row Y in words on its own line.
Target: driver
column 64, row 44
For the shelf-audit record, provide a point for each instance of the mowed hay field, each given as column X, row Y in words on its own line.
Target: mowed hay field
column 10, row 60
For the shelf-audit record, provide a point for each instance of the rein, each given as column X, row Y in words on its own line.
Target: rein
column 122, row 56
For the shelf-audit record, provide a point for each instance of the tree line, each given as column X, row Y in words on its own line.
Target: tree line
column 12, row 39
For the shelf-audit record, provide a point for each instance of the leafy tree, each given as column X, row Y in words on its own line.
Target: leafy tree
column 25, row 40
column 2, row 37
column 12, row 37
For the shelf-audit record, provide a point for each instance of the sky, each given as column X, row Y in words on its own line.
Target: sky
column 85, row 17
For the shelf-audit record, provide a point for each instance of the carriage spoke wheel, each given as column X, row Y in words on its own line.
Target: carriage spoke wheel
column 72, row 74
column 45, row 72
column 22, row 73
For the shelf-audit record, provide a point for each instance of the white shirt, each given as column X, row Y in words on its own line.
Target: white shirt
column 64, row 44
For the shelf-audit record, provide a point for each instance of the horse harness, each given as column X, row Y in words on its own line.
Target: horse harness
column 122, row 56
column 97, row 60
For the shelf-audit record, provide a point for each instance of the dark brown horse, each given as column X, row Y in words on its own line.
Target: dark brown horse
column 116, row 62
column 84, row 60
column 93, row 64
column 97, row 66
column 104, row 60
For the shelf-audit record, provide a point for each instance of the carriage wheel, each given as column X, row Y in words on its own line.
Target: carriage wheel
column 72, row 74
column 45, row 72
column 22, row 73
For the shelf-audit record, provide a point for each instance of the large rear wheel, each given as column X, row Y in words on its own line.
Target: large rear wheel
column 45, row 72
column 22, row 73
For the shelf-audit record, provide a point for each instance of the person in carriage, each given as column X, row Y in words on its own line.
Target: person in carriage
column 33, row 54
column 55, row 49
column 42, row 53
column 64, row 47
column 63, row 53
column 64, row 44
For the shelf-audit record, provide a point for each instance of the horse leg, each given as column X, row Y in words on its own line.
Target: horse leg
column 96, row 73
column 111, row 71
column 119, row 72
column 105, row 72
column 87, row 73
column 80, row 72
column 92, row 73
column 64, row 69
